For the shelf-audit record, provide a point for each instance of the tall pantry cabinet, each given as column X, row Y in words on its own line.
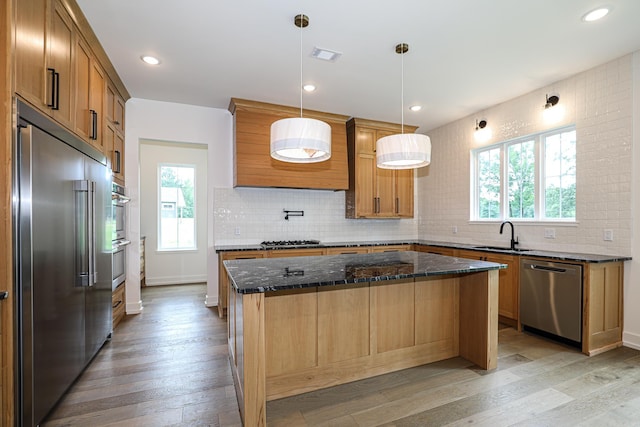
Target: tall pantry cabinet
column 51, row 59
column 375, row 192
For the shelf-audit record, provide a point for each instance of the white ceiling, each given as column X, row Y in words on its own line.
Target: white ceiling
column 464, row 55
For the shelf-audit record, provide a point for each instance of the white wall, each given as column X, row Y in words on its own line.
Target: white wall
column 600, row 102
column 631, row 335
column 147, row 119
column 172, row 267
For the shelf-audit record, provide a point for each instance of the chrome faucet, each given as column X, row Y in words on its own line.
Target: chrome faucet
column 514, row 242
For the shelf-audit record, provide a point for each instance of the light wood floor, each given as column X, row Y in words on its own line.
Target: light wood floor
column 168, row 366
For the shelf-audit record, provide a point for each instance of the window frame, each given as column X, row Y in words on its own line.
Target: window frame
column 159, row 208
column 539, row 179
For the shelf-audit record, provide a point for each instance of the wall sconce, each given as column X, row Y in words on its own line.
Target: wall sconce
column 483, row 132
column 552, row 112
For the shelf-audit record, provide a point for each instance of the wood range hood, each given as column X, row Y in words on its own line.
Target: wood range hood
column 253, row 165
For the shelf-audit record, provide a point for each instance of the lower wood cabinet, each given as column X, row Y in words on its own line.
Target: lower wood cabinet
column 438, row 250
column 288, row 253
column 223, row 278
column 509, row 282
column 602, row 307
column 389, row 248
column 118, row 304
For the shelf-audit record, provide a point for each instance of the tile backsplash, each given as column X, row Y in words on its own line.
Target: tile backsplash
column 251, row 215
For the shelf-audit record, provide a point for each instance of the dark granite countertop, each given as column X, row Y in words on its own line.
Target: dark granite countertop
column 273, row 274
column 563, row 256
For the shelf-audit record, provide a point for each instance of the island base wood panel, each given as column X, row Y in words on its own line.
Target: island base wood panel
column 345, row 333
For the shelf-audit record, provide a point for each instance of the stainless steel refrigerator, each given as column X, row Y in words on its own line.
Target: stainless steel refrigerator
column 62, row 245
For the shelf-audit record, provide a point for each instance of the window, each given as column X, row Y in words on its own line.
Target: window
column 530, row 178
column 176, row 224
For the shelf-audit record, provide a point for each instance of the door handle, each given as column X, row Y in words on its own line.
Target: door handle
column 117, row 161
column 94, row 125
column 4, row 295
column 54, row 81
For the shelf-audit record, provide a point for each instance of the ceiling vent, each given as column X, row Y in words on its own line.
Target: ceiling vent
column 325, row 55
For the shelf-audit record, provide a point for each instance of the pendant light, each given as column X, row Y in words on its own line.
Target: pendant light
column 299, row 139
column 403, row 150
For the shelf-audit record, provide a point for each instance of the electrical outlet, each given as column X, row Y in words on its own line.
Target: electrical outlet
column 454, row 230
column 549, row 233
column 608, row 235
column 236, row 231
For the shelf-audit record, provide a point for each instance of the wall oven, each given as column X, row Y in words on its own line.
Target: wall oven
column 119, row 240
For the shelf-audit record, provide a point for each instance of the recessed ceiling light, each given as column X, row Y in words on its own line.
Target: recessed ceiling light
column 596, row 14
column 309, row 87
column 151, row 60
column 415, row 108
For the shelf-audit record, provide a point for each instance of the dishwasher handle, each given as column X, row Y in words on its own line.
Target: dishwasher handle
column 547, row 268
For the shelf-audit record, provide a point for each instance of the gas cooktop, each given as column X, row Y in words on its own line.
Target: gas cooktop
column 290, row 243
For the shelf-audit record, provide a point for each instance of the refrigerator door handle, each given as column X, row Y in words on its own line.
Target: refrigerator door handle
column 93, row 275
column 83, row 233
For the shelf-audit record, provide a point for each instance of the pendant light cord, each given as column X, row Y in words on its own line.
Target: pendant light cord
column 301, row 26
column 402, row 95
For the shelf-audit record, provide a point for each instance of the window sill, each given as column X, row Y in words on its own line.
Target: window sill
column 176, row 251
column 526, row 222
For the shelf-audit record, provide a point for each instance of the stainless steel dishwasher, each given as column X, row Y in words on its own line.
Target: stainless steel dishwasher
column 551, row 297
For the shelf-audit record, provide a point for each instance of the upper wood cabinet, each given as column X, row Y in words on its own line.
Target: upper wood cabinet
column 114, row 113
column 62, row 70
column 114, row 132
column 44, row 57
column 90, row 96
column 253, row 165
column 375, row 192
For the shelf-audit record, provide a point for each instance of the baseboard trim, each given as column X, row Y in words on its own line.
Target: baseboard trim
column 210, row 301
column 135, row 308
column 178, row 280
column 631, row 340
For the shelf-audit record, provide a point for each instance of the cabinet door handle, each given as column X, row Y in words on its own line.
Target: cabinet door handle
column 117, row 162
column 56, row 79
column 4, row 295
column 397, row 205
column 54, row 103
column 94, row 125
column 116, row 122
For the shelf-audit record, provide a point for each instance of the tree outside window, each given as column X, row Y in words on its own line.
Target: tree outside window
column 488, row 189
column 530, row 178
column 177, row 227
column 560, row 175
column 521, row 176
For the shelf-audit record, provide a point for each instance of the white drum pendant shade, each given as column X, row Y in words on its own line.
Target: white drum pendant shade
column 403, row 151
column 300, row 140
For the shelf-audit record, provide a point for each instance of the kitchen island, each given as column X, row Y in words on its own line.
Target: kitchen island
column 306, row 323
